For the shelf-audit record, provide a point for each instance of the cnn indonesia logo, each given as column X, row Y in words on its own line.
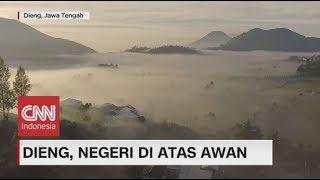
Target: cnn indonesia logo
column 38, row 116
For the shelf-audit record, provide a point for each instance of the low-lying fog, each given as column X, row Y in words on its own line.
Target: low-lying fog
column 178, row 88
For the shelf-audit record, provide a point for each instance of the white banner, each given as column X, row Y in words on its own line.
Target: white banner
column 53, row 15
column 144, row 152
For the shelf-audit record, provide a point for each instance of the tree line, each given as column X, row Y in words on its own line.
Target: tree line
column 9, row 95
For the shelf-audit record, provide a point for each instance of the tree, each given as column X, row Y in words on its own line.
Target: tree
column 247, row 130
column 84, row 111
column 21, row 85
column 10, row 101
column 4, row 86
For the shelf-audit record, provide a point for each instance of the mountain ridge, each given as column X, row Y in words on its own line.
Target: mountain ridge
column 18, row 38
column 277, row 39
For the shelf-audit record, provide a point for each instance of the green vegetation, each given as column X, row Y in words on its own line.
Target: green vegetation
column 73, row 129
column 84, row 109
column 290, row 157
column 311, row 66
column 8, row 96
column 137, row 49
column 21, row 85
column 166, row 49
column 111, row 65
column 247, row 130
column 169, row 49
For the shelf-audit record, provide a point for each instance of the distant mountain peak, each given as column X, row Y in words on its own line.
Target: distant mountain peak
column 277, row 39
column 213, row 39
column 217, row 33
column 256, row 30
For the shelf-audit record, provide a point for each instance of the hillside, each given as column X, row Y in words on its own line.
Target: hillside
column 20, row 39
column 310, row 67
column 278, row 39
column 167, row 49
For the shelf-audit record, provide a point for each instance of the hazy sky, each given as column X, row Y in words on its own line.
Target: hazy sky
column 115, row 26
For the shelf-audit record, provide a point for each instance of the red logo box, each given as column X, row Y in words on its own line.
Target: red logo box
column 38, row 116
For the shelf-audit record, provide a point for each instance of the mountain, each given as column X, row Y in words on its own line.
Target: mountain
column 17, row 38
column 173, row 49
column 278, row 39
column 213, row 39
column 166, row 49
